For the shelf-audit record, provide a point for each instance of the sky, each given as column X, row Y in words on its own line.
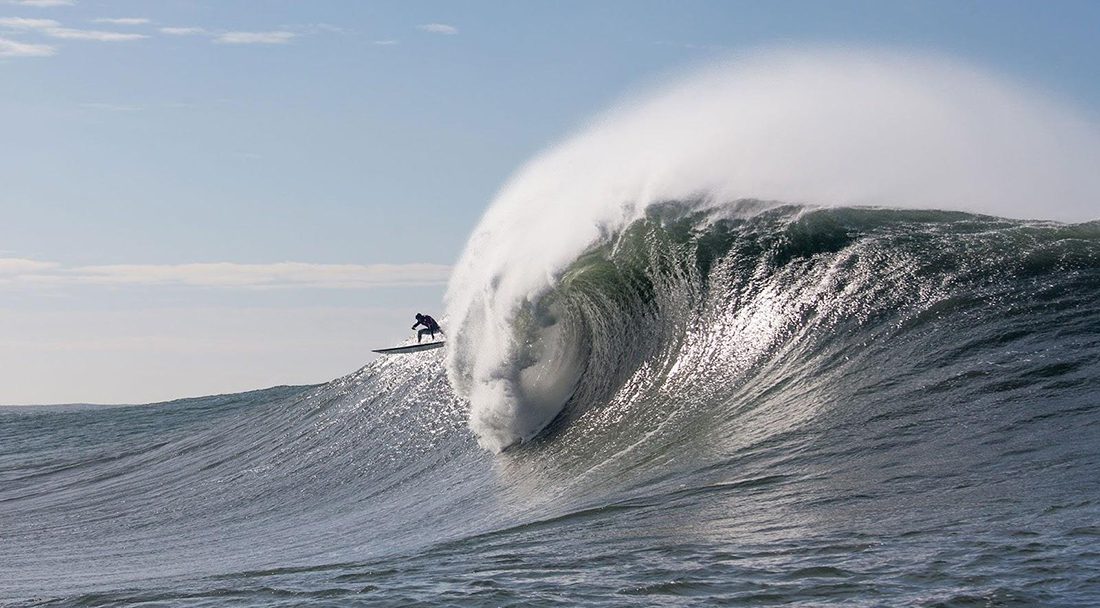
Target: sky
column 210, row 196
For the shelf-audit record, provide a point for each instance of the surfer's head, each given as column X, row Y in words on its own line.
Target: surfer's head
column 419, row 316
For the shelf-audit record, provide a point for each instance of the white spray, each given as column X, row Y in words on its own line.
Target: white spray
column 824, row 127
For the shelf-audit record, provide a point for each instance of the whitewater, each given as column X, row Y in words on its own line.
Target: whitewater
column 812, row 327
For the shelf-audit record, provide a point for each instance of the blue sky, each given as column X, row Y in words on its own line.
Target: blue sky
column 211, row 196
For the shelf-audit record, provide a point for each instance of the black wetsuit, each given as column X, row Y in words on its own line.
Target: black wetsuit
column 430, row 327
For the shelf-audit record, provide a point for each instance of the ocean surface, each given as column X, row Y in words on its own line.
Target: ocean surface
column 746, row 404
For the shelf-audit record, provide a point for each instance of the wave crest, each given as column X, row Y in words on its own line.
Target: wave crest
column 827, row 127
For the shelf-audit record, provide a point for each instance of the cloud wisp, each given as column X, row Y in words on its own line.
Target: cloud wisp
column 277, row 37
column 182, row 31
column 20, row 266
column 438, row 28
column 54, row 29
column 229, row 275
column 122, row 20
column 12, row 48
column 66, row 33
column 23, row 23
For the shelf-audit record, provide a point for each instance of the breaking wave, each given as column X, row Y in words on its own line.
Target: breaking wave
column 827, row 128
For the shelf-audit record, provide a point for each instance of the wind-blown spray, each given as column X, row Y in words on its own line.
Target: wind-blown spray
column 827, row 127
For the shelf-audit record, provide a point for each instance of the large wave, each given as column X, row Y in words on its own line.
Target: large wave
column 828, row 127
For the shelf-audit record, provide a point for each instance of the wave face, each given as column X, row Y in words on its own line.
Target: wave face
column 829, row 127
column 768, row 403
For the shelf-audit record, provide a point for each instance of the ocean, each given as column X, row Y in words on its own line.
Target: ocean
column 757, row 404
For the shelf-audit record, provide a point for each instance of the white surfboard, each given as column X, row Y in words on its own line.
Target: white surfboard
column 411, row 348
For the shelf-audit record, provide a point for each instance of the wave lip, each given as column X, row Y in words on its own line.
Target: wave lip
column 827, row 127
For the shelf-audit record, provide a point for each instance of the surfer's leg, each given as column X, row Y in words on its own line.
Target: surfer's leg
column 420, row 335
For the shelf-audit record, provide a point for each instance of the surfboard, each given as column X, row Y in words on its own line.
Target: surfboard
column 411, row 348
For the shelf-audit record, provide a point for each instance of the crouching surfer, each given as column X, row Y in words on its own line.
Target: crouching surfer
column 430, row 327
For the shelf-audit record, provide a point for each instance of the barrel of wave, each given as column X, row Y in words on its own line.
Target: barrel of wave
column 518, row 370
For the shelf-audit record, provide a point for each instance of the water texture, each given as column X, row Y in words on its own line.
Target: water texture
column 808, row 406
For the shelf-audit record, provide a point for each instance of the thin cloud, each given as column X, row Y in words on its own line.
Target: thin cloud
column 385, row 42
column 122, row 20
column 95, row 35
column 226, row 275
column 21, row 23
column 11, row 48
column 182, row 31
column 19, row 266
column 42, row 3
column 285, row 274
column 53, row 29
column 438, row 28
column 279, row 37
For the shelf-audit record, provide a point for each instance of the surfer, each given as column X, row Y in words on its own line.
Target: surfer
column 430, row 326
